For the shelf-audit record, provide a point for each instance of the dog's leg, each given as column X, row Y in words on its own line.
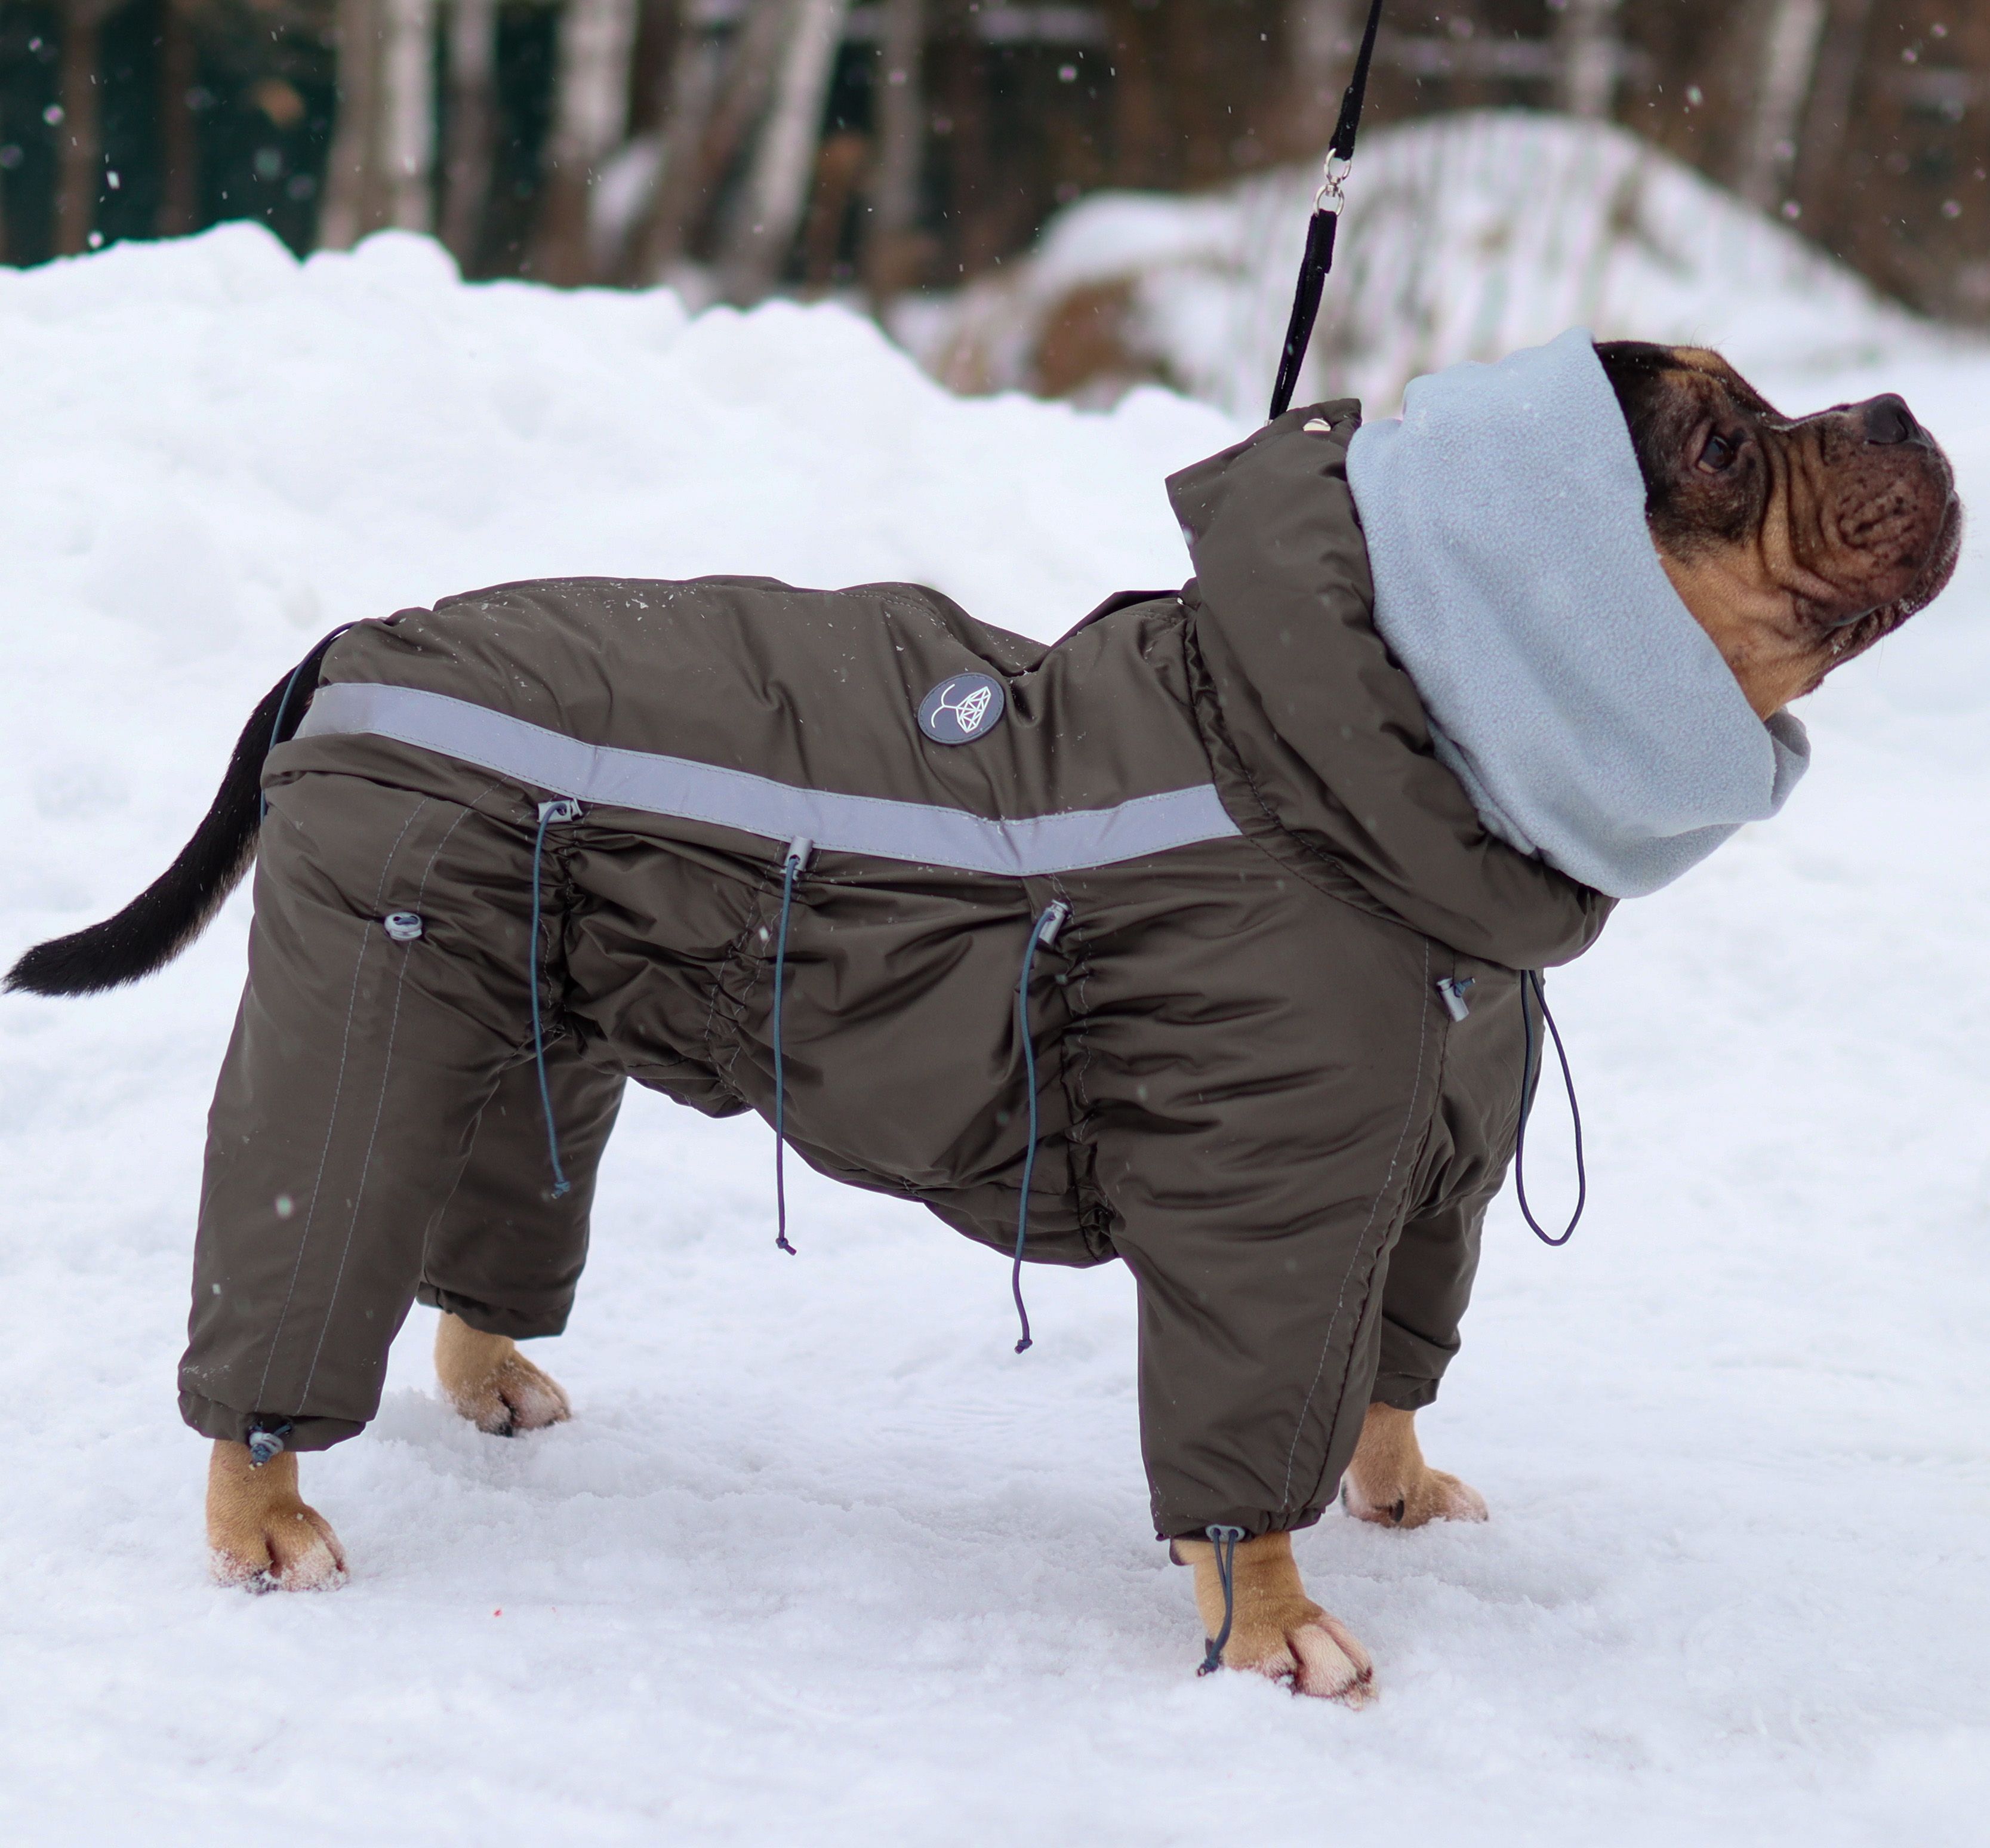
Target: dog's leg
column 1389, row 1482
column 261, row 1534
column 492, row 1384
column 1276, row 1629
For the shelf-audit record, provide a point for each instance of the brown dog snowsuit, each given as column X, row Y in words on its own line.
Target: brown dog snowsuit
column 1250, row 1086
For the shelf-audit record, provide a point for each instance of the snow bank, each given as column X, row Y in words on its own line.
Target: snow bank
column 1464, row 236
column 820, row 1559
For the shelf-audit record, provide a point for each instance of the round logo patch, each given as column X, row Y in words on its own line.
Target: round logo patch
column 962, row 709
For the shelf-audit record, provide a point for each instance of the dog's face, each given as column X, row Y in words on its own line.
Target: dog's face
column 1796, row 543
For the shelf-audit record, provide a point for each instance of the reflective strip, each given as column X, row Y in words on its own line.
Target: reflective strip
column 914, row 831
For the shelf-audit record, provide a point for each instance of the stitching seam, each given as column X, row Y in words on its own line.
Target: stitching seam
column 1395, row 1157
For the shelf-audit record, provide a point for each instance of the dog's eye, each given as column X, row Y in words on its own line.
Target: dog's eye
column 1719, row 453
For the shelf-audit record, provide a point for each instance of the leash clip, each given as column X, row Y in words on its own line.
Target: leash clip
column 1332, row 196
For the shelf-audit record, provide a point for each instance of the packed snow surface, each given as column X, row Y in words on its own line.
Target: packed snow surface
column 820, row 1559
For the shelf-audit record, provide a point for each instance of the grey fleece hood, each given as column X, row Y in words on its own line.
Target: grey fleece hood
column 1589, row 716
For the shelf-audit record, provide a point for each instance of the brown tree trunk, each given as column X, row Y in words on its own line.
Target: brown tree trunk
column 179, row 147
column 723, row 97
column 891, row 247
column 979, row 218
column 590, row 115
column 690, row 92
column 840, row 169
column 659, row 26
column 776, row 191
column 1841, row 53
column 1140, row 111
column 466, row 163
column 1205, row 128
column 1320, row 43
column 353, row 205
column 81, row 158
column 1785, row 63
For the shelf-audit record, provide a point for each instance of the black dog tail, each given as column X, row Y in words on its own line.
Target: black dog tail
column 180, row 903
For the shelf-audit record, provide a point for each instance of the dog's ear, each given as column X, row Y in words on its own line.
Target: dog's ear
column 1697, row 427
column 1636, row 370
column 1663, row 391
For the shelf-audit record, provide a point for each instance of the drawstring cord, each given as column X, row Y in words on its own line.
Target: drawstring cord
column 1043, row 931
column 1531, row 979
column 566, row 809
column 793, row 866
column 1225, row 1541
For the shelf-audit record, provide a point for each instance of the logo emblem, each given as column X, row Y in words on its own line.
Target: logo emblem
column 962, row 709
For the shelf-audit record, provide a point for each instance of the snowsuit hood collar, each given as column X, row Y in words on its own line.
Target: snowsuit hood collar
column 1335, row 756
column 1587, row 715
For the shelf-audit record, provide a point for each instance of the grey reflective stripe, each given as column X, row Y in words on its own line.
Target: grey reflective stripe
column 914, row 831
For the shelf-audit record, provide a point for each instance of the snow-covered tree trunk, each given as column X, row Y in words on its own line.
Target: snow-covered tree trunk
column 352, row 173
column 1592, row 57
column 1791, row 35
column 407, row 113
column 890, row 255
column 472, row 67
column 590, row 117
column 777, row 184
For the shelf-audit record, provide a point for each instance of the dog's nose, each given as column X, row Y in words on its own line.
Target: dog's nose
column 1889, row 420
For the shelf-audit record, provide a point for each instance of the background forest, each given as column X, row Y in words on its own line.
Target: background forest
column 818, row 145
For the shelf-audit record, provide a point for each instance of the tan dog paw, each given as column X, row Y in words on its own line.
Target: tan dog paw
column 1389, row 1484
column 261, row 1534
column 1276, row 1629
column 489, row 1382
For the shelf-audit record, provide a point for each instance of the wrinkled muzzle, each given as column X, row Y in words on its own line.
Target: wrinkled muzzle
column 1875, row 516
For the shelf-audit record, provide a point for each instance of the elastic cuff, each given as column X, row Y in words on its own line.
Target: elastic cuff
column 225, row 1425
column 520, row 1324
column 1402, row 1391
column 1255, row 1525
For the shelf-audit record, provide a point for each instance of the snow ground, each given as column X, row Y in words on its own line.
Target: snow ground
column 820, row 1559
column 1464, row 236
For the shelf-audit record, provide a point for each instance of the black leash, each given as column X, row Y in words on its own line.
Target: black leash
column 1326, row 207
column 1530, row 1078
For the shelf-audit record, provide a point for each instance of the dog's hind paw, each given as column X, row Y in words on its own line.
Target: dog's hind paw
column 486, row 1380
column 1389, row 1484
column 1433, row 1495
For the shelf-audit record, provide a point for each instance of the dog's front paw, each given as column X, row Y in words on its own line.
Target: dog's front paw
column 1389, row 1484
column 262, row 1535
column 1276, row 1629
column 489, row 1382
column 1309, row 1650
